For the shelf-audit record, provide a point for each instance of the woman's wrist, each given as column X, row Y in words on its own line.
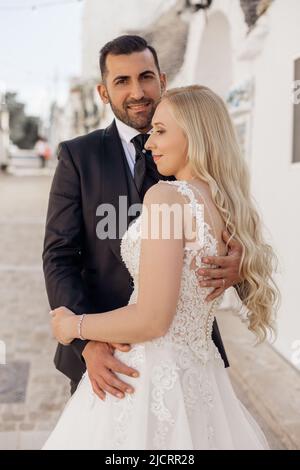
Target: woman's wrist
column 74, row 332
column 79, row 327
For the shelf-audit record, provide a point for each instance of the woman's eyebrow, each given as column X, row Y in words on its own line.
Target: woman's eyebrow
column 158, row 123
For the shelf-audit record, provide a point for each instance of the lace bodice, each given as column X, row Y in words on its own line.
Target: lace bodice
column 182, row 398
column 192, row 323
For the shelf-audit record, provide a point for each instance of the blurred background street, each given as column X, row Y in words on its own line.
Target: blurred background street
column 31, row 391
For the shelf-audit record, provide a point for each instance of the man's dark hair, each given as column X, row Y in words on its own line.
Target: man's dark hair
column 126, row 44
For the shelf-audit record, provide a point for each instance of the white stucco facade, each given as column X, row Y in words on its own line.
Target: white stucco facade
column 221, row 55
column 104, row 20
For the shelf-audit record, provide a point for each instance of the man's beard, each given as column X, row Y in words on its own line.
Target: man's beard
column 140, row 123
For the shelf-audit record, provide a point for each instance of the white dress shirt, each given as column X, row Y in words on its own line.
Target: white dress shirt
column 127, row 133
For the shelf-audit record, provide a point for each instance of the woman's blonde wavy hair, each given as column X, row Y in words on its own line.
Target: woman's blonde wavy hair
column 215, row 157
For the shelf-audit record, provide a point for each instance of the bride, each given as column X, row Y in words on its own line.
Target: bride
column 183, row 397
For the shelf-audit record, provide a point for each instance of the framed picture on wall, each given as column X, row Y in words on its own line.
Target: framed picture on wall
column 240, row 104
column 296, row 112
column 242, row 121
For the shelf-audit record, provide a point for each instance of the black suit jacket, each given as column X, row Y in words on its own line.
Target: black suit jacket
column 81, row 271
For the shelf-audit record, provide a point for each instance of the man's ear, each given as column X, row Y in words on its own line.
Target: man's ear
column 163, row 81
column 102, row 90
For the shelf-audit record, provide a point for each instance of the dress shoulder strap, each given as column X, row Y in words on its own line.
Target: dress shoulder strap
column 199, row 208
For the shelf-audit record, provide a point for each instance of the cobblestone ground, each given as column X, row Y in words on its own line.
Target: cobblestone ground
column 264, row 381
column 33, row 393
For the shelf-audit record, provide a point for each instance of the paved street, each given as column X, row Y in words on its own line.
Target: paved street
column 33, row 393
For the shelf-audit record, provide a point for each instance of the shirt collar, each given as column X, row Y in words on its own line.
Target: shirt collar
column 126, row 133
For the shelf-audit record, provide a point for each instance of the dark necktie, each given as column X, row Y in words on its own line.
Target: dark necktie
column 141, row 154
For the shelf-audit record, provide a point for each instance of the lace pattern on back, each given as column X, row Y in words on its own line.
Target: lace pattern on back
column 192, row 322
column 190, row 332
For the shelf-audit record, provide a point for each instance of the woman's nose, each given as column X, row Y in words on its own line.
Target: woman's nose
column 149, row 144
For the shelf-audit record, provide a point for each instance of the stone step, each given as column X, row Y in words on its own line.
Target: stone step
column 266, row 383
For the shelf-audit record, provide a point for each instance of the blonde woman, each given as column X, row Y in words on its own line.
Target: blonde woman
column 183, row 397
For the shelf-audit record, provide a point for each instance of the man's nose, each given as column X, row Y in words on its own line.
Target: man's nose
column 137, row 91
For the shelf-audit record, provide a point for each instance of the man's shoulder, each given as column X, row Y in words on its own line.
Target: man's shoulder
column 83, row 141
column 85, row 147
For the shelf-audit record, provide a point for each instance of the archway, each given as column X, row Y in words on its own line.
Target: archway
column 214, row 67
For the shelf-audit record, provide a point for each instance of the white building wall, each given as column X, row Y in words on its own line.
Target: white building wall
column 104, row 20
column 276, row 180
column 204, row 59
column 266, row 56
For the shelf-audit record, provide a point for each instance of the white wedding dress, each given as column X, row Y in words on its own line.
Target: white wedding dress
column 183, row 397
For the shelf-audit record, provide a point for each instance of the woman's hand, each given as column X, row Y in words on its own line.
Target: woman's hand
column 63, row 325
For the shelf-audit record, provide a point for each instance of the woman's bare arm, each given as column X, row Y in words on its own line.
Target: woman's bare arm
column 159, row 281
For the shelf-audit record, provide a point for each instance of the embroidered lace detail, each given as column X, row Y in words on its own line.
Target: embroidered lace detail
column 192, row 323
column 163, row 378
column 195, row 387
column 130, row 254
column 130, row 248
column 193, row 320
column 122, row 408
column 197, row 390
column 190, row 332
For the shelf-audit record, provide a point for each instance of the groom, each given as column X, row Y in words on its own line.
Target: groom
column 83, row 272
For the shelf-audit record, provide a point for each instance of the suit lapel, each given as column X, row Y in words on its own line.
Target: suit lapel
column 115, row 182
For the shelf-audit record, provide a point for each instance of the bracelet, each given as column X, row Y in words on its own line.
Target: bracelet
column 80, row 326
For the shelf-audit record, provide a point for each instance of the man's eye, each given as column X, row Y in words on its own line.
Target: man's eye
column 121, row 82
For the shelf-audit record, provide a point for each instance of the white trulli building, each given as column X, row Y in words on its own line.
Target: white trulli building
column 254, row 66
column 249, row 52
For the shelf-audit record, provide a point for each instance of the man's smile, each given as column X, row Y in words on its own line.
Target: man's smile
column 138, row 107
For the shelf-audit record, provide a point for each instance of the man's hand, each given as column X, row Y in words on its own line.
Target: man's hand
column 226, row 271
column 101, row 367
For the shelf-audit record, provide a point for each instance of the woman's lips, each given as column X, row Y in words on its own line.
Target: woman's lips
column 156, row 157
